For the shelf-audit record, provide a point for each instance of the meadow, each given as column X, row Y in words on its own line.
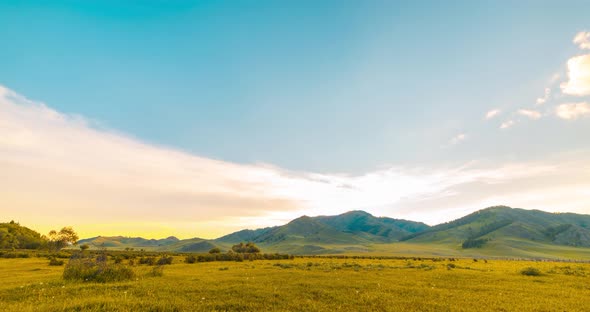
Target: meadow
column 305, row 284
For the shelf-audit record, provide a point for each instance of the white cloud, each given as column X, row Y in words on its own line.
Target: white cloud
column 582, row 40
column 545, row 97
column 492, row 113
column 532, row 114
column 578, row 76
column 458, row 138
column 507, row 124
column 572, row 110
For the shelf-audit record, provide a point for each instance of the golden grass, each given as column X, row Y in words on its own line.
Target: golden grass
column 306, row 284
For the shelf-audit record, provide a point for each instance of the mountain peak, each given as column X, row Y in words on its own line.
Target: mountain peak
column 357, row 213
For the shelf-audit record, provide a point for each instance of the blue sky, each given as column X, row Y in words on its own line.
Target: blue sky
column 340, row 88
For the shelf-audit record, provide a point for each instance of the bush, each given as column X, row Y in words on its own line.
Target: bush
column 90, row 270
column 55, row 262
column 190, row 259
column 15, row 255
column 147, row 260
column 164, row 260
column 245, row 248
column 530, row 271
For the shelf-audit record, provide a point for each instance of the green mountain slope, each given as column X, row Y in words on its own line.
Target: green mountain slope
column 363, row 223
column 505, row 224
column 243, row 236
column 349, row 232
column 14, row 235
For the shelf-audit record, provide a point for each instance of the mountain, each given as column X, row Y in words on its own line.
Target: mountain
column 363, row 223
column 492, row 232
column 349, row 232
column 243, row 236
column 14, row 235
column 127, row 242
column 503, row 224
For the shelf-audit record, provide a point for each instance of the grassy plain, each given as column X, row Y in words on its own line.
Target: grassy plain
column 306, row 284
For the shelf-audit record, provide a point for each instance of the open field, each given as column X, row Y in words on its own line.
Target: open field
column 305, row 284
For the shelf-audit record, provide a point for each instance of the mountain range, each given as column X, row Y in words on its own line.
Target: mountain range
column 498, row 231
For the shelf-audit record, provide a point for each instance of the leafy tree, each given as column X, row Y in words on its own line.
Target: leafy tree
column 215, row 250
column 84, row 247
column 245, row 248
column 66, row 236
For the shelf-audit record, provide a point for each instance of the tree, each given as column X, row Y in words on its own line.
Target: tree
column 215, row 250
column 66, row 236
column 245, row 248
column 84, row 247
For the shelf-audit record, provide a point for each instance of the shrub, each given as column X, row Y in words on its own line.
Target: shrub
column 190, row 259
column 245, row 248
column 55, row 262
column 164, row 260
column 147, row 260
column 530, row 271
column 15, row 255
column 90, row 270
column 451, row 266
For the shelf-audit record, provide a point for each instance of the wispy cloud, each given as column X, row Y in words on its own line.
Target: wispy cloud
column 492, row 113
column 582, row 40
column 543, row 100
column 507, row 124
column 458, row 138
column 532, row 114
column 578, row 74
column 572, row 110
column 60, row 169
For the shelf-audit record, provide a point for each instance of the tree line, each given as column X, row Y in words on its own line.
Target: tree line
column 15, row 236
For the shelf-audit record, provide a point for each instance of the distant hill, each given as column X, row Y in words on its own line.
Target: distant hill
column 502, row 224
column 14, row 235
column 127, row 242
column 243, row 236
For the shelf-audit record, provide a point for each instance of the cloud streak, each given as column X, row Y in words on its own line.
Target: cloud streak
column 492, row 113
column 531, row 114
column 507, row 124
column 458, row 138
column 546, row 96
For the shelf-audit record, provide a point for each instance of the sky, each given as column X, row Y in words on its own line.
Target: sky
column 200, row 118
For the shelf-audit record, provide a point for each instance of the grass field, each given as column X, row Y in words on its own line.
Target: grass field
column 305, row 284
